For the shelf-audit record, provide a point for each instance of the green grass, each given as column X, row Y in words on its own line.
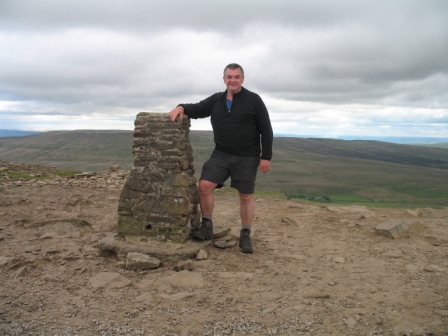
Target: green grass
column 421, row 191
column 349, row 198
column 357, row 199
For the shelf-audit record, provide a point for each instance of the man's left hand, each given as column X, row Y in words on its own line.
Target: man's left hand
column 265, row 166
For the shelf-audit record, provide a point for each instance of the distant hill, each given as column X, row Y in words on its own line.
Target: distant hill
column 82, row 150
column 438, row 144
column 301, row 167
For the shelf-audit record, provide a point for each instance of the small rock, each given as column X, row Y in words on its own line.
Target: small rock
column 224, row 244
column 376, row 320
column 442, row 312
column 393, row 254
column 410, row 328
column 115, row 167
column 289, row 221
column 339, row 260
column 269, row 310
column 177, row 296
column 317, row 296
column 351, row 322
column 219, row 232
column 22, row 271
column 231, row 301
column 185, row 265
column 120, row 264
column 271, row 296
column 145, row 297
column 433, row 268
column 140, row 261
column 4, row 261
column 201, row 255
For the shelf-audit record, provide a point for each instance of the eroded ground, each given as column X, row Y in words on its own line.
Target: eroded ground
column 316, row 270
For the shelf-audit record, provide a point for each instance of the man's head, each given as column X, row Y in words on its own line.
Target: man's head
column 234, row 66
column 233, row 77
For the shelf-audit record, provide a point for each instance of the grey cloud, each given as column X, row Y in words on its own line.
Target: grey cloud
column 228, row 15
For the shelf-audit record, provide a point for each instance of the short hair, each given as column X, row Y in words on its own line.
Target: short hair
column 234, row 66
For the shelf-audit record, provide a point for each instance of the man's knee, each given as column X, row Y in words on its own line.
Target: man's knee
column 246, row 198
column 206, row 186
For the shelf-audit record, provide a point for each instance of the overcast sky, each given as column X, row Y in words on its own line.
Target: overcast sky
column 327, row 68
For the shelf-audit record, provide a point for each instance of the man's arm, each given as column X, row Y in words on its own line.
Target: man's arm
column 265, row 128
column 177, row 111
column 265, row 166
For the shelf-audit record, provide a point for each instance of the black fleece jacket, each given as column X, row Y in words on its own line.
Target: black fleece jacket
column 237, row 131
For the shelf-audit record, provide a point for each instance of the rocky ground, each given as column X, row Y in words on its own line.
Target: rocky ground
column 315, row 270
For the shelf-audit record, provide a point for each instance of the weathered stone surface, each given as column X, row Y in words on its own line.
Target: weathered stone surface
column 183, row 279
column 160, row 197
column 108, row 280
column 224, row 244
column 140, row 261
column 397, row 228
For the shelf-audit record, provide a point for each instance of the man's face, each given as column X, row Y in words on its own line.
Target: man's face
column 233, row 80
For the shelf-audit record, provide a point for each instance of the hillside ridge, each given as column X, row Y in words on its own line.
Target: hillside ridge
column 85, row 143
column 301, row 167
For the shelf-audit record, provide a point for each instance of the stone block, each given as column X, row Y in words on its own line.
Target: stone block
column 160, row 196
column 398, row 228
column 127, row 224
column 182, row 180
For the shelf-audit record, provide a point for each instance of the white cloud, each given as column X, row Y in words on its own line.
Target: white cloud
column 322, row 67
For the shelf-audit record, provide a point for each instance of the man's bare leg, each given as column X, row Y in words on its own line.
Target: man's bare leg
column 206, row 197
column 247, row 208
column 247, row 212
column 206, row 200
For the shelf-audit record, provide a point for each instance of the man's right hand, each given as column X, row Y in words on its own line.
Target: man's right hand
column 177, row 111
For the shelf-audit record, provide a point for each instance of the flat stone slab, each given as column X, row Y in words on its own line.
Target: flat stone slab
column 220, row 231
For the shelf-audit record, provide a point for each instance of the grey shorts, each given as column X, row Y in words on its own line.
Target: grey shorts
column 241, row 169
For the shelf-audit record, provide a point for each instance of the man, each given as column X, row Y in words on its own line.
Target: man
column 243, row 138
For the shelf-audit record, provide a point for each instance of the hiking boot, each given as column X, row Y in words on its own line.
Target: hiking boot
column 245, row 244
column 205, row 231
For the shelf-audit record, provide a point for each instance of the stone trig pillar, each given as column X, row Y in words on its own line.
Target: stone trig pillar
column 160, row 197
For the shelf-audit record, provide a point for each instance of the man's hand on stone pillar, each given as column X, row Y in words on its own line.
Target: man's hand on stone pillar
column 177, row 111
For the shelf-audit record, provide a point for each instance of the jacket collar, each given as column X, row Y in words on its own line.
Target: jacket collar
column 243, row 90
